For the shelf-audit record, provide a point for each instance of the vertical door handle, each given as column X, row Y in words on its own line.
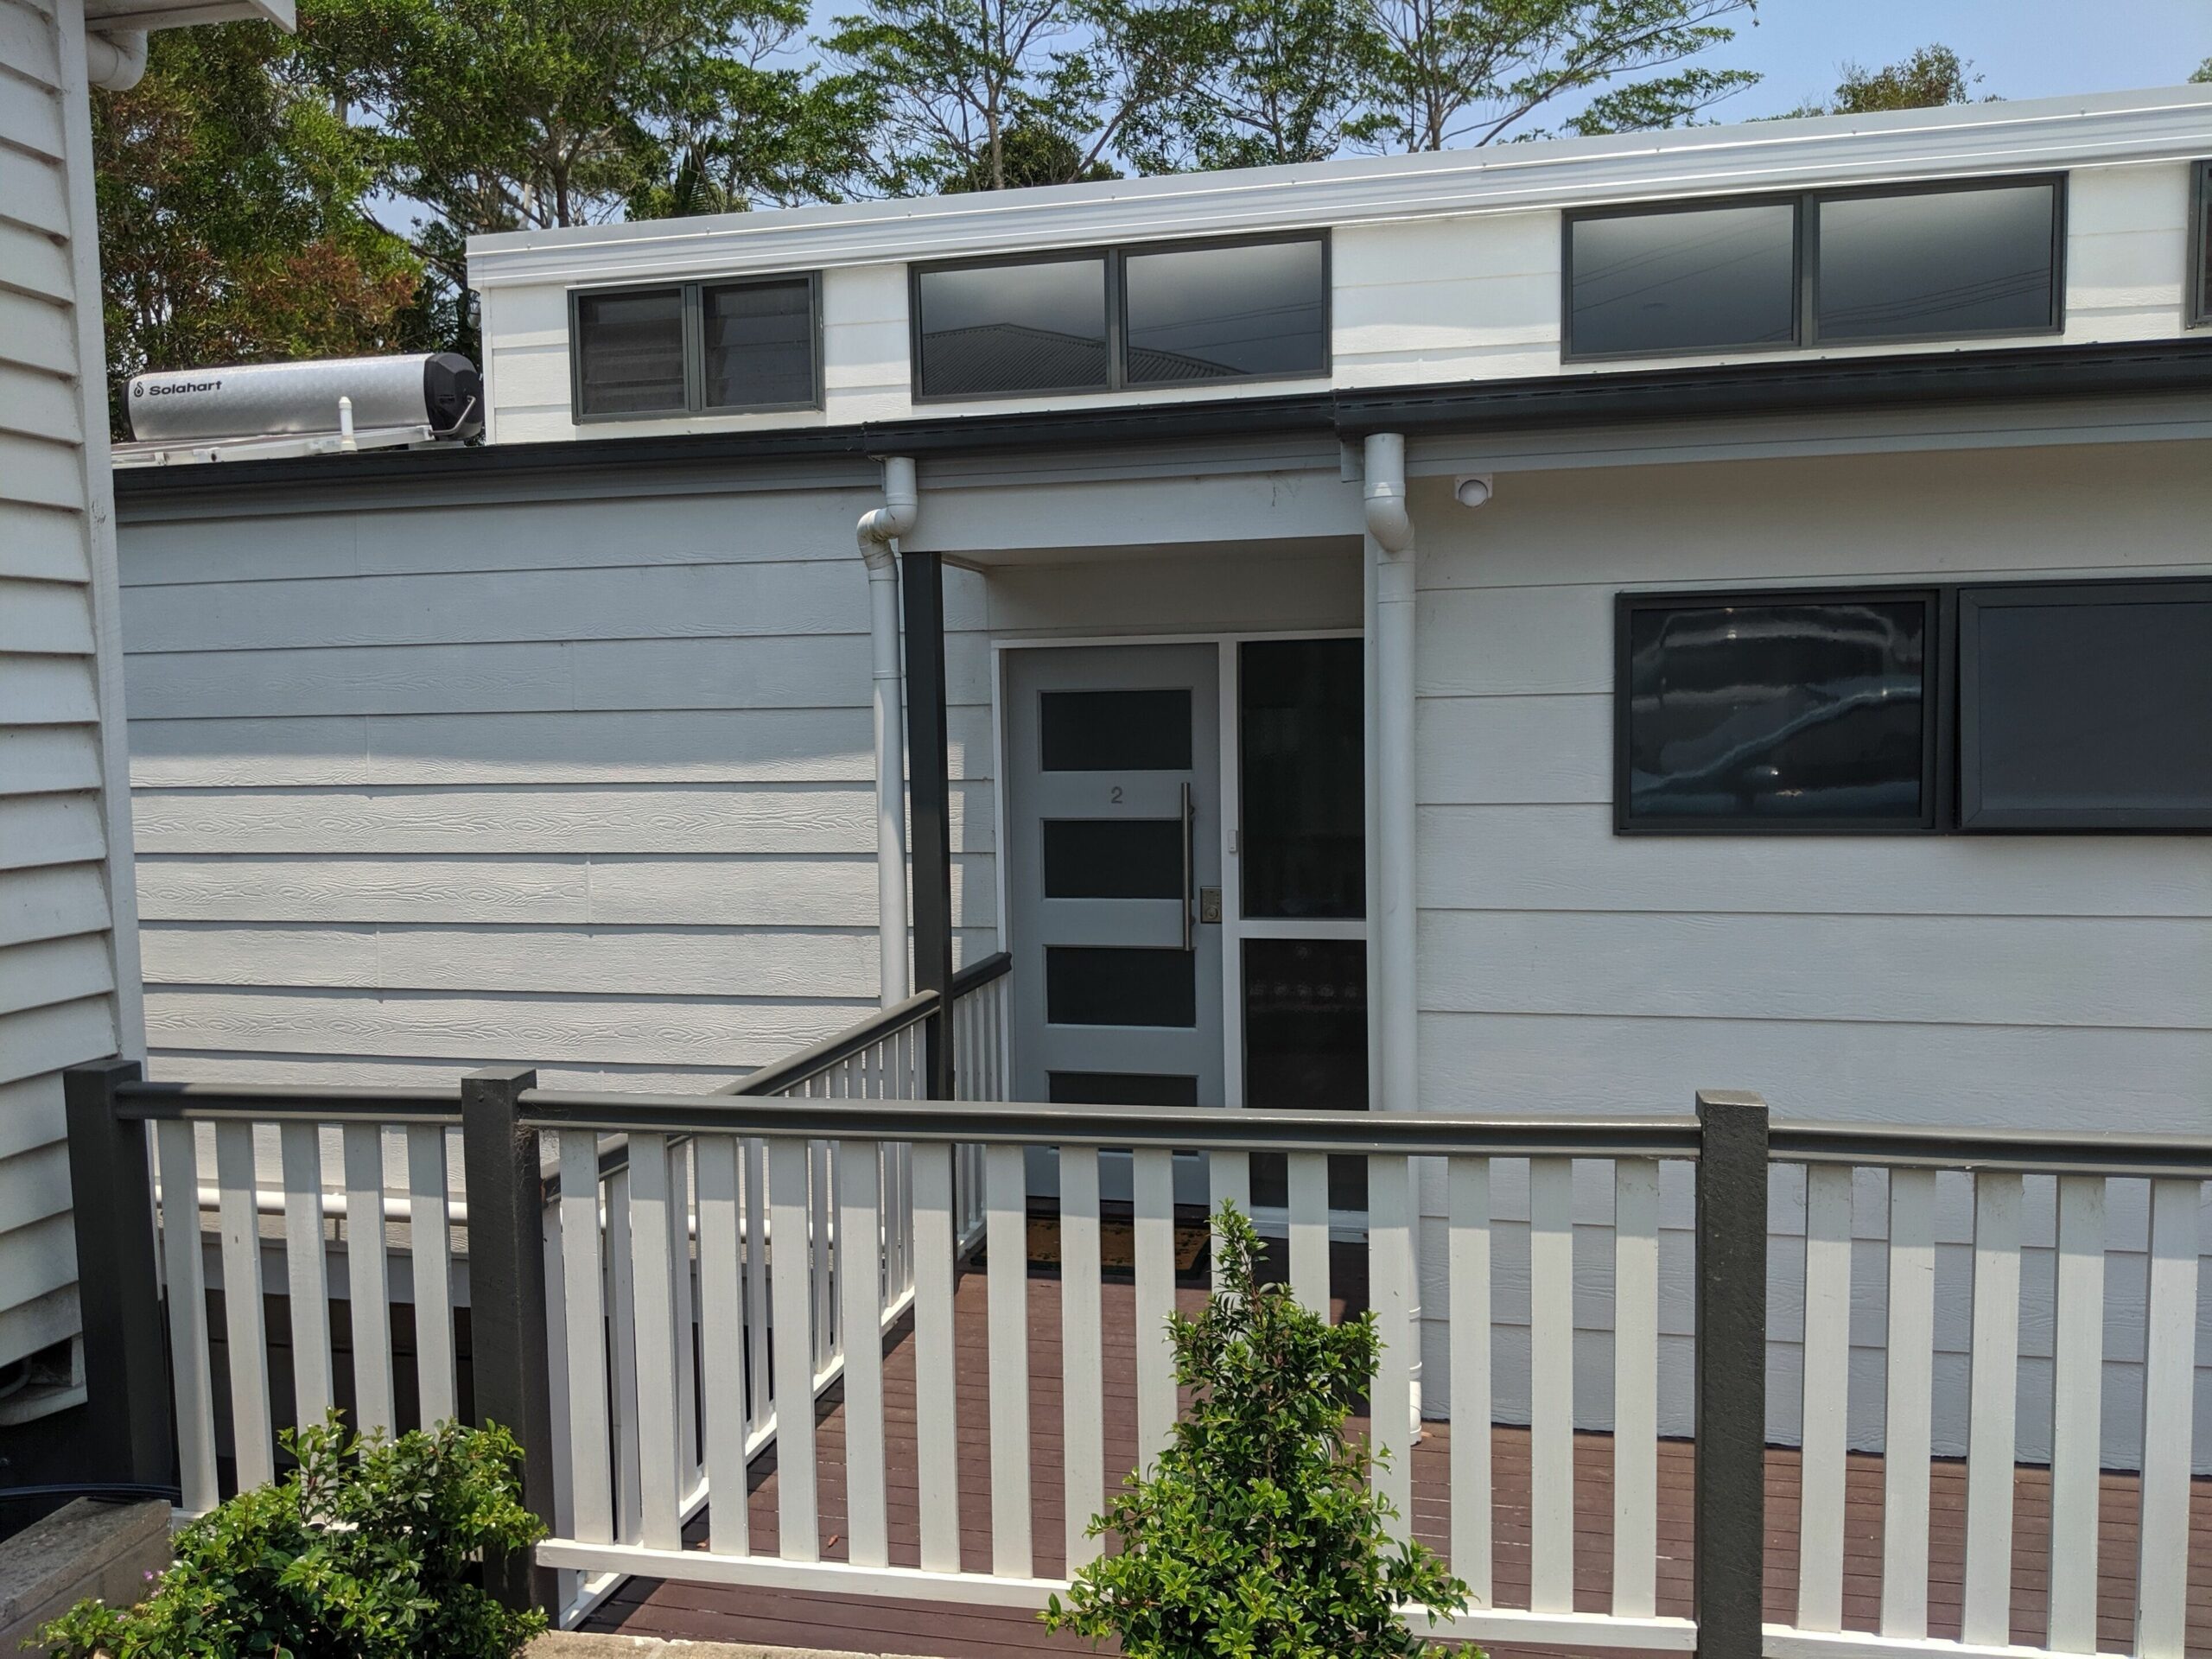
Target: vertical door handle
column 1190, row 864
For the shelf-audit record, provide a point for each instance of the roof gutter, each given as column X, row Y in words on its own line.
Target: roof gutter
column 1583, row 396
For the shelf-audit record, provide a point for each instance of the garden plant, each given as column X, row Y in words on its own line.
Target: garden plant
column 367, row 1549
column 1258, row 1532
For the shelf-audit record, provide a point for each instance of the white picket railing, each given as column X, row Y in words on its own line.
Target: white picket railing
column 680, row 1313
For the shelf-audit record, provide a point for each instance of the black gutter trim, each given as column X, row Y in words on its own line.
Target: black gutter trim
column 1797, row 384
column 1583, row 397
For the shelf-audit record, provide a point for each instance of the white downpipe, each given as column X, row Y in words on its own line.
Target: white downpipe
column 880, row 530
column 115, row 61
column 1392, row 566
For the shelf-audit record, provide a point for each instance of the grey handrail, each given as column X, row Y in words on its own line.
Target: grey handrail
column 834, row 1050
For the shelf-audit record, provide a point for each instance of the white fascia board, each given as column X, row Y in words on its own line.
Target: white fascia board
column 1963, row 141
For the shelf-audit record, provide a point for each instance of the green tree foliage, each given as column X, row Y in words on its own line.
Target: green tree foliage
column 1258, row 1532
column 232, row 224
column 501, row 114
column 367, row 1550
column 2203, row 71
column 1929, row 78
column 1460, row 73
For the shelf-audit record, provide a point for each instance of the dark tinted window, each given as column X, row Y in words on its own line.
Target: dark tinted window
column 1120, row 1089
column 1116, row 731
column 2086, row 707
column 629, row 353
column 1120, row 985
column 1698, row 279
column 1113, row 858
column 1302, row 844
column 2200, row 256
column 1936, row 263
column 1034, row 326
column 1217, row 314
column 760, row 345
column 1811, row 709
column 1306, row 1046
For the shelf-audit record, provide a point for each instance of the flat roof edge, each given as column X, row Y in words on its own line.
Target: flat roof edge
column 1797, row 385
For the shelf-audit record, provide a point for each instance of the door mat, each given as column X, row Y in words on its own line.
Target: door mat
column 1117, row 1244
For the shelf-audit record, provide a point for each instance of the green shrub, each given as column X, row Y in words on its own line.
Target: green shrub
column 1257, row 1532
column 367, row 1550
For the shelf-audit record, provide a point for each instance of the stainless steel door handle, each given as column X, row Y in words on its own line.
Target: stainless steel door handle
column 1190, row 863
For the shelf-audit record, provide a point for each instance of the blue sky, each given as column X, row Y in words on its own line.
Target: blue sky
column 2022, row 48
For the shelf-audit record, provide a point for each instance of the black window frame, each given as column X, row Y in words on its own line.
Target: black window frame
column 1805, row 255
column 1809, row 232
column 1937, row 765
column 693, row 291
column 1973, row 819
column 1795, row 202
column 2197, row 286
column 1114, row 256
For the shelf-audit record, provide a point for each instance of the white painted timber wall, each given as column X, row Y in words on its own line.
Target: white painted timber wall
column 68, row 952
column 583, row 784
column 1414, row 299
column 2017, row 982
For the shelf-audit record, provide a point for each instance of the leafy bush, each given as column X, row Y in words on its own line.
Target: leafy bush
column 367, row 1550
column 1257, row 1532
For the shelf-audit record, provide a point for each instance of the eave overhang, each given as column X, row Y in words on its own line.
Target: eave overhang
column 1588, row 398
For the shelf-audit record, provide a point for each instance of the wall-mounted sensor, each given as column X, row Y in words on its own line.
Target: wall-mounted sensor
column 1472, row 489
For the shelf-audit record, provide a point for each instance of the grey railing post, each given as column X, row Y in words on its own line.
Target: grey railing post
column 507, row 1295
column 119, row 1297
column 930, row 803
column 1730, row 1502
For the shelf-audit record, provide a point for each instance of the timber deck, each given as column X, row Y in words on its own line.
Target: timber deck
column 953, row 1631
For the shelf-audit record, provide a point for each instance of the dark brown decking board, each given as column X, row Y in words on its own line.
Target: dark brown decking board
column 953, row 1631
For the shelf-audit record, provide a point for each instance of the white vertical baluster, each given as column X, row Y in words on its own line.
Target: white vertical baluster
column 1828, row 1375
column 1469, row 1267
column 2077, row 1407
column 722, row 1341
column 252, row 1437
column 622, row 1314
column 1007, row 1248
column 860, row 1282
column 307, row 1278
column 1309, row 1230
column 1636, row 1388
column 1992, row 1443
column 566, row 1581
column 1390, row 1222
column 792, row 1346
column 653, row 1336
column 759, row 1390
column 682, row 1304
column 1906, row 1439
column 935, row 1400
column 1153, row 1186
column 185, row 1277
column 1083, row 1408
column 1551, row 1385
column 2169, row 1377
column 819, row 1249
column 585, row 1318
column 429, row 1252
column 367, row 1277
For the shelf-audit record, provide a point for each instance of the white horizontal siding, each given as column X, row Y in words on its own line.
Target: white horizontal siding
column 68, row 965
column 2008, row 981
column 581, row 783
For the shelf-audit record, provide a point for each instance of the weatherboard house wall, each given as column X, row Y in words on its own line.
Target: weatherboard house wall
column 557, row 752
column 68, row 956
